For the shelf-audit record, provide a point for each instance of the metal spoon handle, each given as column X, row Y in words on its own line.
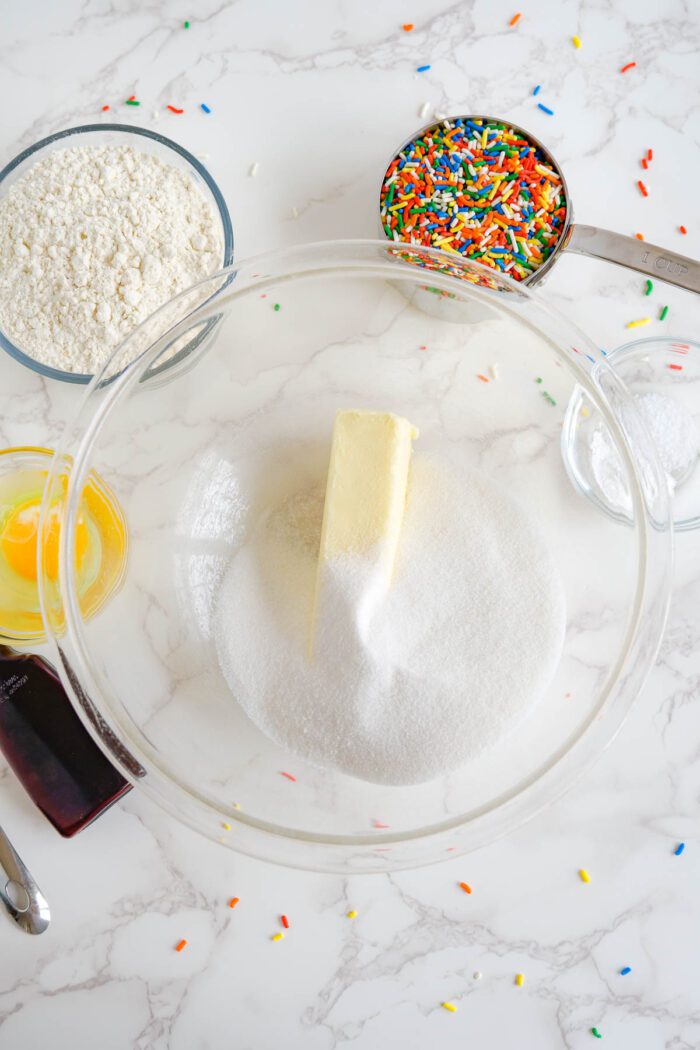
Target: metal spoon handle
column 29, row 909
column 637, row 255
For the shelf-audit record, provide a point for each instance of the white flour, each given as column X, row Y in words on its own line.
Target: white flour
column 92, row 240
column 410, row 688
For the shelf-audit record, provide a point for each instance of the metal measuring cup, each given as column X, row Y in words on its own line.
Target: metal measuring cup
column 641, row 256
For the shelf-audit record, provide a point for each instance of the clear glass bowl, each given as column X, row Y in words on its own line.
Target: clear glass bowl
column 288, row 339
column 663, row 374
column 112, row 135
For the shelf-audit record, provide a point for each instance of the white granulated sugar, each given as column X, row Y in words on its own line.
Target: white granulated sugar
column 409, row 687
column 93, row 239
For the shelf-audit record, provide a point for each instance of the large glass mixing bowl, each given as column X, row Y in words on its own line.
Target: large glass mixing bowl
column 484, row 368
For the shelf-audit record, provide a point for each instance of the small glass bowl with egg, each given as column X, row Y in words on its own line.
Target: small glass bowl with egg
column 100, row 544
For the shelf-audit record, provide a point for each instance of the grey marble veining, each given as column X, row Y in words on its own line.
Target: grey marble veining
column 319, row 94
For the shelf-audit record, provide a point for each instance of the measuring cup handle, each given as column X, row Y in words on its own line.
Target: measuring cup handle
column 636, row 255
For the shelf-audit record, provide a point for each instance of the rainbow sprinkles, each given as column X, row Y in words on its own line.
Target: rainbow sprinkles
column 480, row 189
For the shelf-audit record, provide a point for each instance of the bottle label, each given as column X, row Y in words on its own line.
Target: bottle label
column 10, row 685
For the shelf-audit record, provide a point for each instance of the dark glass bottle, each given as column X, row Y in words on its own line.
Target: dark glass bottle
column 47, row 746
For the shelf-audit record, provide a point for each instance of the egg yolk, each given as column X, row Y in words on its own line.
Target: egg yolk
column 19, row 540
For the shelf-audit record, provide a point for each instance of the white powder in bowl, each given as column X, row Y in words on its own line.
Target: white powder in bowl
column 404, row 690
column 93, row 239
column 675, row 434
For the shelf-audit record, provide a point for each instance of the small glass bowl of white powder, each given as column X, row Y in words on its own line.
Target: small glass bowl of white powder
column 100, row 226
column 663, row 375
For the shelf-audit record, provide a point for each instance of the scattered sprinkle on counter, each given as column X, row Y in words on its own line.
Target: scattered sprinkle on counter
column 583, row 875
column 205, row 107
column 133, row 101
column 642, row 188
column 450, row 1007
column 664, row 312
column 185, row 25
column 422, row 69
column 538, row 379
column 639, row 236
column 174, row 109
column 279, row 936
column 407, row 27
column 478, row 189
column 494, row 371
column 649, row 287
column 180, row 945
column 596, row 1033
column 285, row 921
column 520, row 979
column 277, row 307
column 537, row 90
column 576, row 41
column 288, row 776
column 105, row 108
column 545, row 109
column 478, row 975
column 679, row 849
column 352, row 914
column 482, row 377
column 233, row 902
column 630, row 65
column 625, row 970
column 638, row 324
column 378, row 824
column 682, row 230
column 465, row 886
column 254, row 169
column 226, row 827
column 650, row 154
column 424, row 110
column 676, row 368
column 515, row 19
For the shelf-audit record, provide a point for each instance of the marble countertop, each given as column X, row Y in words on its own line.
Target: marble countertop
column 318, row 94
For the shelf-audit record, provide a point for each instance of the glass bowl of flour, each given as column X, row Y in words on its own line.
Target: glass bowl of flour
column 367, row 620
column 100, row 226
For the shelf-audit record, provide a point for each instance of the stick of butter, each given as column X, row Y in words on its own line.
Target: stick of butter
column 365, row 496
